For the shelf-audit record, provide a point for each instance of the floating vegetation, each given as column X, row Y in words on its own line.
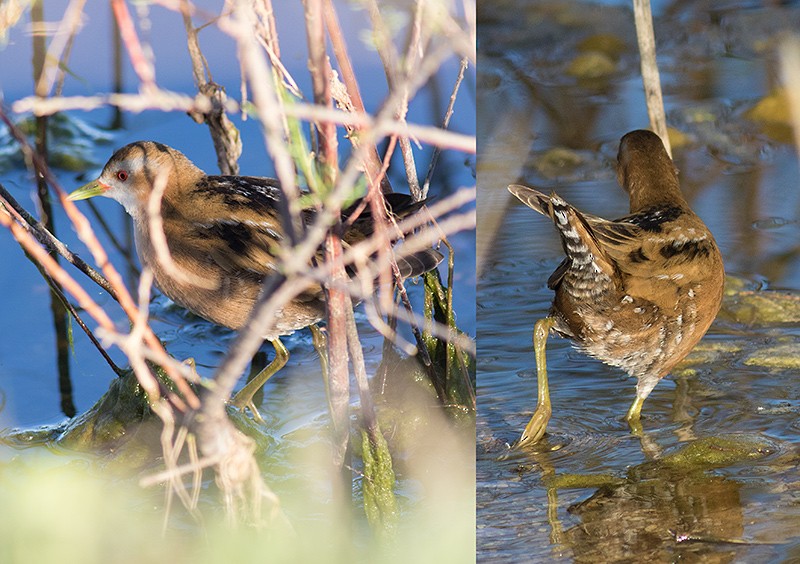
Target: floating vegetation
column 71, row 142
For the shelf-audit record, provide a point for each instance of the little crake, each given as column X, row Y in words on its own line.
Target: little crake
column 222, row 234
column 637, row 292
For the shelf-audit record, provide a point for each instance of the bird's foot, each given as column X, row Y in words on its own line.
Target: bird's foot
column 254, row 410
column 635, row 427
column 536, row 427
column 242, row 403
column 192, row 367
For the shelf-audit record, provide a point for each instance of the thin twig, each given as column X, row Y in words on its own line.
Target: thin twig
column 445, row 123
column 226, row 138
column 335, row 298
column 164, row 100
column 372, row 161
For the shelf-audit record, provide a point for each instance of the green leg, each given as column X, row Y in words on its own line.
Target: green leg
column 320, row 340
column 245, row 396
column 644, row 386
column 635, row 412
column 538, row 423
column 634, row 416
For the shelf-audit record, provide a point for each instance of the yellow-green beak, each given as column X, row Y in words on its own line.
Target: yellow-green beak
column 93, row 188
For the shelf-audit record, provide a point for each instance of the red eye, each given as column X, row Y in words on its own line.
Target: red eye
column 122, row 175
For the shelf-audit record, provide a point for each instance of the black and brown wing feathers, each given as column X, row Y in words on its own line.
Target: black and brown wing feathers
column 244, row 241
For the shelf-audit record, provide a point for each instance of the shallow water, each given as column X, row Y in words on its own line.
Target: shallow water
column 743, row 183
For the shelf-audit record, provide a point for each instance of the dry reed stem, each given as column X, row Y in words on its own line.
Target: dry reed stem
column 338, row 338
column 353, row 102
column 650, row 77
column 336, row 298
column 359, row 371
column 790, row 70
column 141, row 65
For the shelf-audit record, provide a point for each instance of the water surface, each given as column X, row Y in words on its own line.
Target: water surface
column 715, row 64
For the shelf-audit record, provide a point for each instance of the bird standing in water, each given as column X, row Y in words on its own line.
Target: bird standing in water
column 223, row 234
column 637, row 292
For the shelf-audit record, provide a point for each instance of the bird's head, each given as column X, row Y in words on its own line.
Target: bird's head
column 134, row 171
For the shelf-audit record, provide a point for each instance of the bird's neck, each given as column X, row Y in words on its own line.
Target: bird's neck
column 177, row 194
column 650, row 188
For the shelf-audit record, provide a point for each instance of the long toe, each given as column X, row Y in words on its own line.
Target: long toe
column 535, row 429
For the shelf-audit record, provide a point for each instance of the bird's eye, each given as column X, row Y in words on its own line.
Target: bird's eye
column 122, row 175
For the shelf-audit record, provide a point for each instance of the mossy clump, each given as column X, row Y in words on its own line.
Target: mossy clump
column 558, row 161
column 709, row 352
column 718, row 452
column 113, row 416
column 761, row 308
column 606, row 43
column 773, row 115
column 580, row 481
column 380, row 503
column 772, row 108
column 784, row 356
column 592, row 65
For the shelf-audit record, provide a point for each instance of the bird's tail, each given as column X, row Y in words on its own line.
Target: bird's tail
column 585, row 257
column 419, row 262
column 532, row 198
column 399, row 206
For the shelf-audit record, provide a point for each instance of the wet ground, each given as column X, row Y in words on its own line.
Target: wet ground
column 591, row 491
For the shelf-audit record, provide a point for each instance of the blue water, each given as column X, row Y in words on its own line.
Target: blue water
column 28, row 380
